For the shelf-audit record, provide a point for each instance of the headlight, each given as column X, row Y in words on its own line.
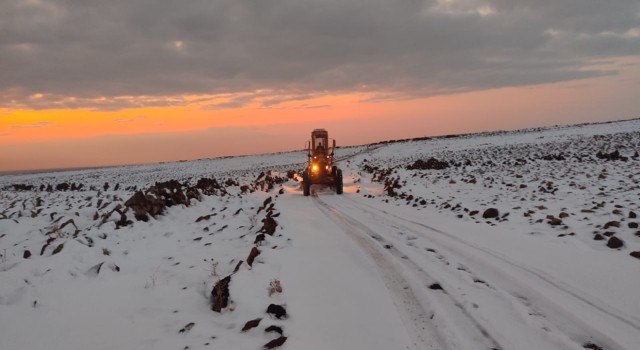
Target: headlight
column 314, row 168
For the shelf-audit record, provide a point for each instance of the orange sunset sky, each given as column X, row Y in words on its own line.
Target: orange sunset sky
column 116, row 83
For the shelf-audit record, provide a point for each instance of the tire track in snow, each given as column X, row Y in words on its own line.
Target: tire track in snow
column 565, row 315
column 461, row 286
column 419, row 320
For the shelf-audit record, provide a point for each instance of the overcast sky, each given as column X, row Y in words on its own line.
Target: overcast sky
column 74, row 52
column 104, row 82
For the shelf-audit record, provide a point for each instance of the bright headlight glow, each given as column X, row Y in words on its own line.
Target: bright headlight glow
column 314, row 168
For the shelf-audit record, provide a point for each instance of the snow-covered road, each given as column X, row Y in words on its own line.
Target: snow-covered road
column 488, row 299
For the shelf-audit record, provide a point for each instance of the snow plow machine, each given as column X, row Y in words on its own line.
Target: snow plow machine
column 320, row 168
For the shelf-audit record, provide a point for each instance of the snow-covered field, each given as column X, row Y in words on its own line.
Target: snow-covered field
column 505, row 240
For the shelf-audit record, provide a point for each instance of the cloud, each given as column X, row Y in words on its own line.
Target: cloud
column 15, row 98
column 129, row 120
column 126, row 54
column 30, row 125
column 308, row 106
column 231, row 102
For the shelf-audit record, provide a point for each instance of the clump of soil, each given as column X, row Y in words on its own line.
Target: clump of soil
column 220, row 294
column 615, row 243
column 275, row 329
column 430, row 163
column 158, row 197
column 275, row 343
column 278, row 311
column 269, row 226
column 145, row 205
column 252, row 255
column 209, row 187
column 615, row 155
column 251, row 324
column 490, row 213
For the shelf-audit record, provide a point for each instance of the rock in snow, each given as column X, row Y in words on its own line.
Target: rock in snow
column 490, row 213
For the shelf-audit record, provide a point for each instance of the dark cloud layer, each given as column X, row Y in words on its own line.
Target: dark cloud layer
column 76, row 53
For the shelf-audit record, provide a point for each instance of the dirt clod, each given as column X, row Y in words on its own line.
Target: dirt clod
column 435, row 286
column 187, row 327
column 275, row 329
column 220, row 294
column 612, row 224
column 430, row 163
column 275, row 343
column 238, row 266
column 490, row 213
column 252, row 255
column 278, row 311
column 269, row 225
column 58, row 249
column 251, row 324
column 615, row 243
column 592, row 346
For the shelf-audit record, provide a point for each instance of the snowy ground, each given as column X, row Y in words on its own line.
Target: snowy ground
column 402, row 260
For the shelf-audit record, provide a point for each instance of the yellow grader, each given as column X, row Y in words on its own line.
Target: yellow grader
column 321, row 168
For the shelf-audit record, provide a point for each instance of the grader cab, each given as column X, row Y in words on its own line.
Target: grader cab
column 320, row 169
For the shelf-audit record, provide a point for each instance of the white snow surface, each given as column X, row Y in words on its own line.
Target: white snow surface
column 402, row 260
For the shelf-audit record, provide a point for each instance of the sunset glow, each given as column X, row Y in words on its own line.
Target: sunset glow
column 30, row 138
